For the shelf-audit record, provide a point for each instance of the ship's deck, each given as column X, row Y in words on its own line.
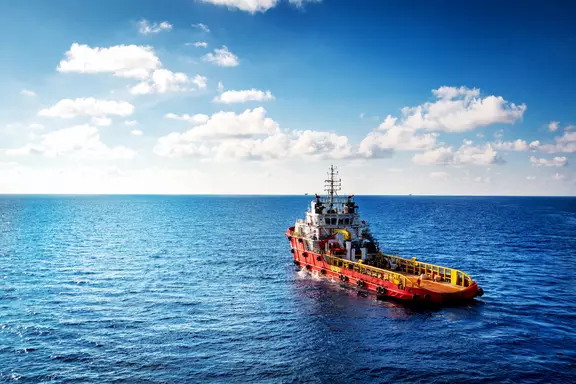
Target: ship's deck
column 434, row 286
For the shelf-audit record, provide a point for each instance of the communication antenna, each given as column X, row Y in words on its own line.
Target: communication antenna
column 332, row 185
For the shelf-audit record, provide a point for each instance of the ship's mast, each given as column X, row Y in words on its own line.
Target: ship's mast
column 332, row 185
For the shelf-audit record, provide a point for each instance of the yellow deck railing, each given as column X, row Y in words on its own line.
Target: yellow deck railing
column 449, row 275
column 411, row 266
column 337, row 263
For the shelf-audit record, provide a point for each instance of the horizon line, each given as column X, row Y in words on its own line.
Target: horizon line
column 3, row 194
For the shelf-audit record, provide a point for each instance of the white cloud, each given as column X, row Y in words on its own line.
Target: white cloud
column 517, row 145
column 250, row 135
column 565, row 143
column 251, row 6
column 200, row 81
column 201, row 44
column 36, row 126
column 131, row 123
column 27, row 92
column 542, row 162
column 553, row 126
column 460, row 109
column 162, row 81
column 198, row 118
column 130, row 61
column 243, row 96
column 82, row 141
column 362, row 115
column 222, row 57
column 455, row 110
column 136, row 132
column 558, row 177
column 231, row 125
column 145, row 28
column 466, row 154
column 439, row 175
column 202, row 27
column 220, row 86
column 101, row 121
column 390, row 137
column 69, row 108
column 531, row 178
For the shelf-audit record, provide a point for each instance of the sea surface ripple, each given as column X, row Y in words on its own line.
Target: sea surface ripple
column 184, row 289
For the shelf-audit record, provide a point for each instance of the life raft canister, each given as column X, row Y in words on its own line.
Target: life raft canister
column 308, row 267
column 360, row 283
column 380, row 290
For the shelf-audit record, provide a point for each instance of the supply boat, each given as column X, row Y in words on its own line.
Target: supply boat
column 333, row 242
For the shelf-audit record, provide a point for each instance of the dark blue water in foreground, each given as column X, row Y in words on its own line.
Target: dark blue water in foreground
column 151, row 289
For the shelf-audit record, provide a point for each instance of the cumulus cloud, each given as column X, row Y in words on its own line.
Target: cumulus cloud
column 70, row 108
column 542, row 162
column 27, row 92
column 517, row 145
column 251, row 135
column 82, row 141
column 222, row 57
column 459, row 110
column 130, row 61
column 131, row 123
column 220, row 86
column 202, row 27
column 391, row 136
column 145, row 28
column 200, row 81
column 136, row 132
column 253, row 6
column 198, row 118
column 230, row 97
column 201, row 44
column 162, row 81
column 454, row 110
column 466, row 154
column 553, row 126
column 563, row 144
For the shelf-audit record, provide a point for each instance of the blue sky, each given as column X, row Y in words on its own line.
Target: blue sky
column 115, row 97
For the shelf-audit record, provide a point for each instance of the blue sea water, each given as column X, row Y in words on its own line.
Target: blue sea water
column 185, row 289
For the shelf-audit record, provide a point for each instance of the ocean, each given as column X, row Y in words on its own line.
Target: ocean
column 186, row 289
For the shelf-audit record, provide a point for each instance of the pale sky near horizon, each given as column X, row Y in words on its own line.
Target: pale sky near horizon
column 261, row 96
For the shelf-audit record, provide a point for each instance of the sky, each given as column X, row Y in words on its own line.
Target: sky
column 262, row 96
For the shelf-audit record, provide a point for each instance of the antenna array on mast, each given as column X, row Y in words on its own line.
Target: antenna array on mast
column 333, row 184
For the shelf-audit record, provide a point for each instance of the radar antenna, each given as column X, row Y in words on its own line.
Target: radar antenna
column 332, row 185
